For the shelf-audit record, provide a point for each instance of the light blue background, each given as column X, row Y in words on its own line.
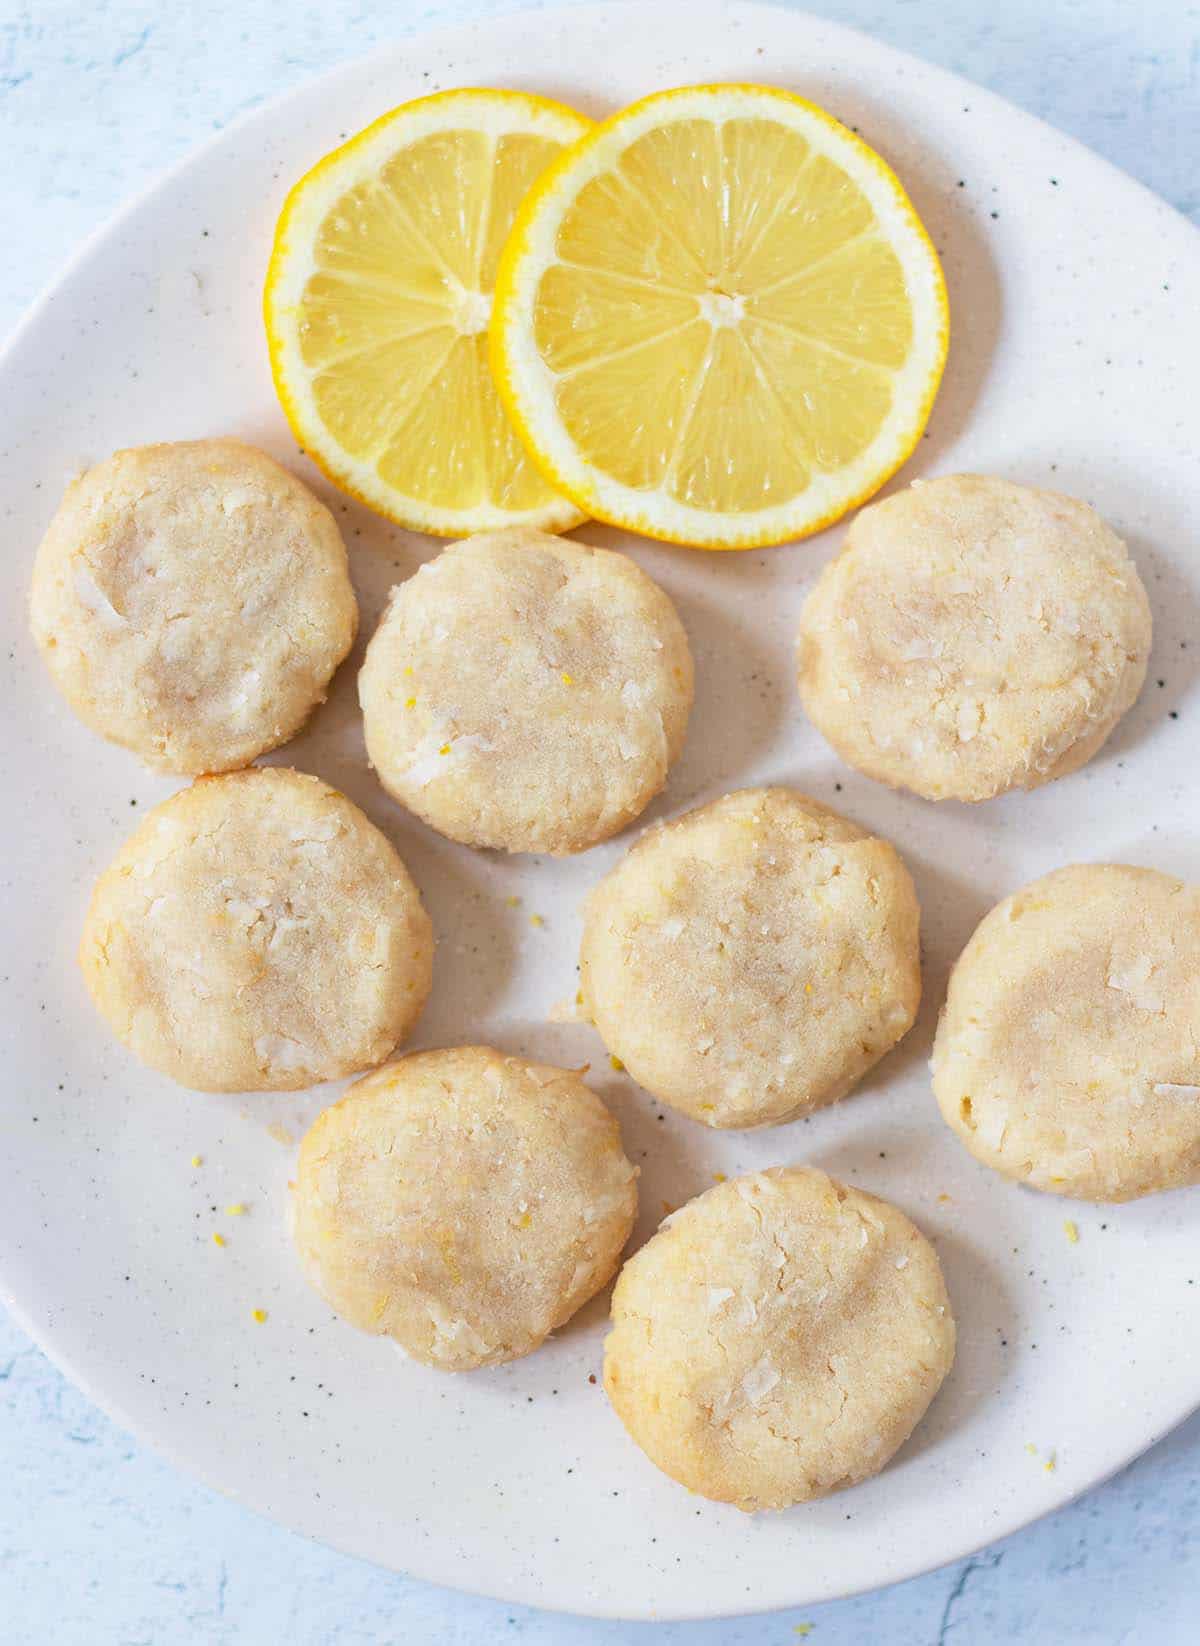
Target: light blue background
column 100, row 1543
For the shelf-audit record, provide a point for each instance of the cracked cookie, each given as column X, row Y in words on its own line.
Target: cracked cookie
column 779, row 1338
column 463, row 1203
column 1068, row 1053
column 750, row 961
column 257, row 933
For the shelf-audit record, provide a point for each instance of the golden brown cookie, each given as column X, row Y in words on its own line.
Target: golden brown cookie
column 192, row 602
column 779, row 1338
column 257, row 933
column 463, row 1203
column 750, row 961
column 973, row 636
column 1068, row 1053
column 526, row 692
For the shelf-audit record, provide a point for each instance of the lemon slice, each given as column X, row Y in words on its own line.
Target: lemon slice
column 377, row 303
column 718, row 319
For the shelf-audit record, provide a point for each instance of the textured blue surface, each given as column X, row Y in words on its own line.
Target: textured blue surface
column 99, row 1541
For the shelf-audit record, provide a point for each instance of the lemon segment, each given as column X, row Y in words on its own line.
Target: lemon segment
column 377, row 303
column 718, row 319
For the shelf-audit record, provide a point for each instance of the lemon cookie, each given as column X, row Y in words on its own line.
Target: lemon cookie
column 779, row 1338
column 527, row 693
column 973, row 636
column 191, row 602
column 1068, row 1054
column 463, row 1203
column 257, row 933
column 750, row 961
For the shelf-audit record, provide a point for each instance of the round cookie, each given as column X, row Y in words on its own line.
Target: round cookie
column 749, row 962
column 1068, row 1052
column 257, row 933
column 973, row 636
column 779, row 1338
column 526, row 693
column 464, row 1203
column 191, row 602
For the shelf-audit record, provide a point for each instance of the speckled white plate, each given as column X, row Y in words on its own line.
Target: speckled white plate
column 1074, row 328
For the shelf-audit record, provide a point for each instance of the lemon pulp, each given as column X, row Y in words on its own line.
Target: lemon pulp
column 722, row 310
column 380, row 345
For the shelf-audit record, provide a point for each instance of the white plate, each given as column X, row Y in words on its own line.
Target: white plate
column 1074, row 327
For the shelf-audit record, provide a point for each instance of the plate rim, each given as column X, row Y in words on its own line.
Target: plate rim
column 165, row 179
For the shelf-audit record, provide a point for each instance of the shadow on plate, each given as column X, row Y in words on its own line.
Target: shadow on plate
column 972, row 280
column 741, row 701
column 986, row 1353
column 951, row 909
